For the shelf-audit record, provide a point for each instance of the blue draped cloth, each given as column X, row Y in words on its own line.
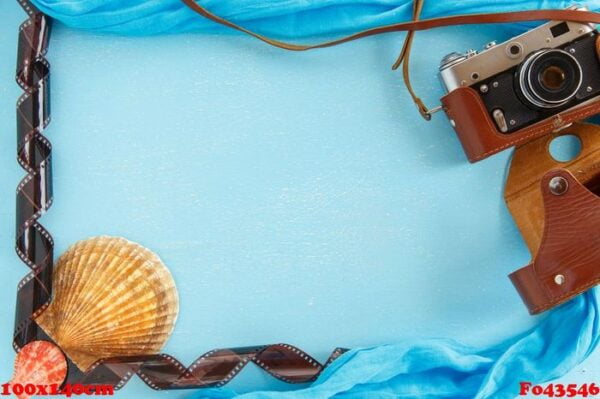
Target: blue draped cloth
column 426, row 368
column 438, row 368
column 281, row 18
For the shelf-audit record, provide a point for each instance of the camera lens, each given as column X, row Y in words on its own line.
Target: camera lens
column 549, row 78
column 553, row 78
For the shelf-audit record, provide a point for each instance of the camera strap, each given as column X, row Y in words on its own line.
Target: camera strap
column 411, row 27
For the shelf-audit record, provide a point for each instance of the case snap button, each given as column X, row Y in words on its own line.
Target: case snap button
column 558, row 185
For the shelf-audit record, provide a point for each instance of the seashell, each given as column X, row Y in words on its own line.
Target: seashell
column 39, row 363
column 111, row 297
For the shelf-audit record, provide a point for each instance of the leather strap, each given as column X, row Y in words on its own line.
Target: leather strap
column 411, row 26
column 403, row 59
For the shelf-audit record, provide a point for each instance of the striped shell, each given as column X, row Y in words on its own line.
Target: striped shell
column 111, row 297
column 39, row 363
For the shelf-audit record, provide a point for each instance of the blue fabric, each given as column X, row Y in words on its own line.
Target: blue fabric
column 440, row 368
column 281, row 18
column 435, row 368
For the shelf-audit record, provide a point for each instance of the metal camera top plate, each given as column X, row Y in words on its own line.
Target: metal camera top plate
column 498, row 58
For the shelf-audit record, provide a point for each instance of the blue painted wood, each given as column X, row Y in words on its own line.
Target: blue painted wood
column 319, row 208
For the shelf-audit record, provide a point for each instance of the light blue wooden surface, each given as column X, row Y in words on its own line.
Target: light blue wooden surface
column 295, row 197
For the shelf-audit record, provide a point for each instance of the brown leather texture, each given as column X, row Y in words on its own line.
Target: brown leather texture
column 478, row 134
column 568, row 258
column 531, row 162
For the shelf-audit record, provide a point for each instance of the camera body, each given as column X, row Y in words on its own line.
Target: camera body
column 530, row 85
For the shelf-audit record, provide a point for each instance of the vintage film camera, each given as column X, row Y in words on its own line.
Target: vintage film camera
column 530, row 85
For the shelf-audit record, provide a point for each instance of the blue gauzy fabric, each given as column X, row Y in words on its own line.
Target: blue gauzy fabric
column 439, row 368
column 281, row 18
column 428, row 368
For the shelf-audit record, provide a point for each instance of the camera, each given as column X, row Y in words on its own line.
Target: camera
column 532, row 84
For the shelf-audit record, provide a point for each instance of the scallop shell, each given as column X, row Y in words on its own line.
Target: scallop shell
column 39, row 363
column 111, row 297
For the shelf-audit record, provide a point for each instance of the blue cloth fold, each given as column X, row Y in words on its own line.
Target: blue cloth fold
column 281, row 18
column 435, row 368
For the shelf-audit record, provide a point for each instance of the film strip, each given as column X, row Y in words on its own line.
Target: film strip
column 35, row 248
column 34, row 245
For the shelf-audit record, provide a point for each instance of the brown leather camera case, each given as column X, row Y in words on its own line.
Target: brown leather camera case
column 556, row 207
column 478, row 134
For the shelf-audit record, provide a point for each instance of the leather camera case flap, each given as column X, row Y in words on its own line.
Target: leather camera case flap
column 559, row 221
column 568, row 260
